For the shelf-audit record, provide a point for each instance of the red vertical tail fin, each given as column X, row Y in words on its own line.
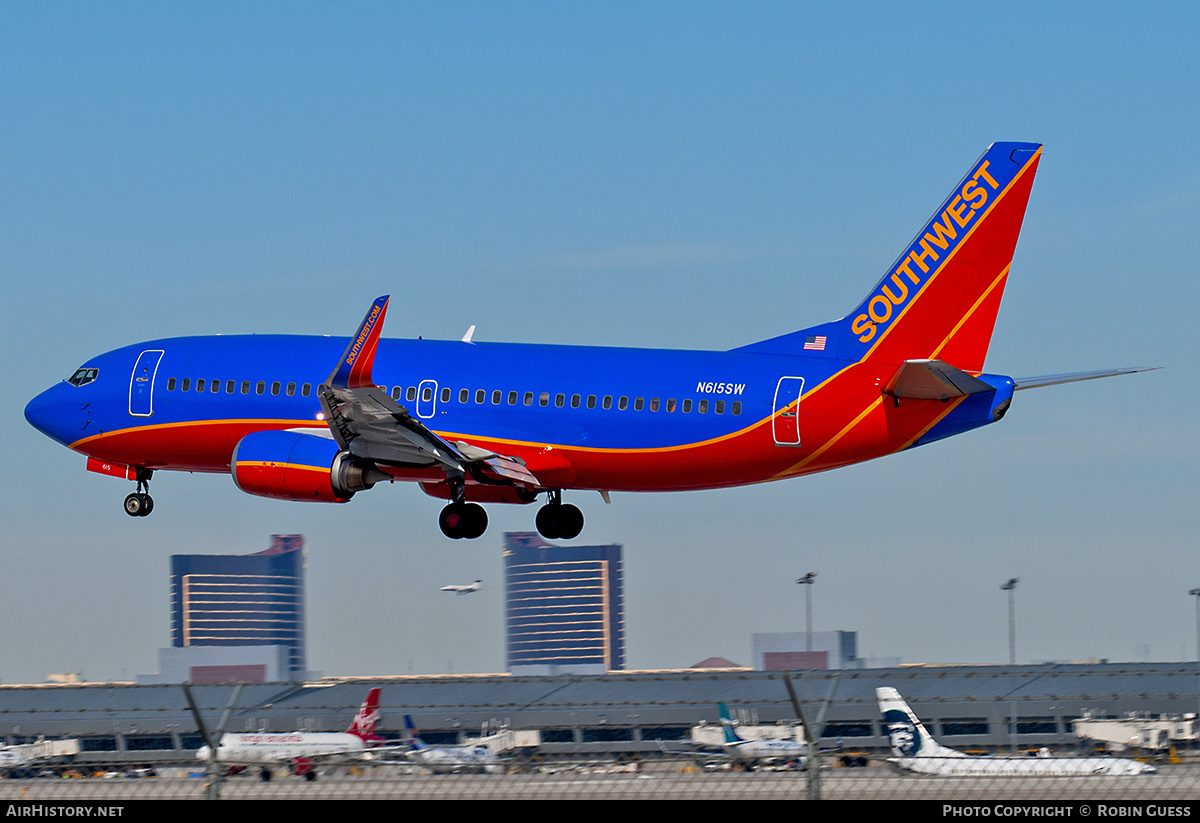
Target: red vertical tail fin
column 939, row 300
column 367, row 718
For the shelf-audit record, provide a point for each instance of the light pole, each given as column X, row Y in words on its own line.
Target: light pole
column 1196, row 593
column 807, row 580
column 1011, row 588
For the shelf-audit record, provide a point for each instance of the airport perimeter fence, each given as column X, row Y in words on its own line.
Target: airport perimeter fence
column 632, row 737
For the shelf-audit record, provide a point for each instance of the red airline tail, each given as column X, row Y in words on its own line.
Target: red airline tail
column 938, row 301
column 367, row 717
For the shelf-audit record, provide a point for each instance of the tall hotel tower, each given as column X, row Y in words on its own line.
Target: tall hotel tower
column 564, row 607
column 234, row 600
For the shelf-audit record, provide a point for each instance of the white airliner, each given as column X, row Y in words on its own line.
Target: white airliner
column 10, row 759
column 464, row 589
column 915, row 750
column 450, row 759
column 300, row 750
column 759, row 751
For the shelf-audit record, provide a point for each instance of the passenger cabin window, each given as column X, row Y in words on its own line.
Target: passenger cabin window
column 591, row 404
column 528, row 398
column 245, row 387
column 464, row 395
column 427, row 395
column 446, row 396
column 687, row 405
column 82, row 377
column 654, row 404
column 411, row 395
column 560, row 400
column 608, row 401
column 230, row 386
column 396, row 392
column 187, row 381
column 305, row 389
column 671, row 405
column 480, row 396
column 171, row 384
column 637, row 404
column 258, row 389
column 275, row 388
column 544, row 399
column 496, row 397
column 623, row 403
column 291, row 390
column 574, row 401
column 737, row 406
column 720, row 407
column 702, row 407
column 200, row 384
column 512, row 398
column 214, row 386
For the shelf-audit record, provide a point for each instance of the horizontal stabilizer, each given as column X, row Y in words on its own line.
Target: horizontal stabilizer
column 932, row 380
column 1074, row 377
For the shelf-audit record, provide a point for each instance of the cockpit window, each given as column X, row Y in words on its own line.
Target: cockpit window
column 83, row 376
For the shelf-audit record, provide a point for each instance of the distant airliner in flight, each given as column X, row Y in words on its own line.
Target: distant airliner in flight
column 506, row 423
column 465, row 588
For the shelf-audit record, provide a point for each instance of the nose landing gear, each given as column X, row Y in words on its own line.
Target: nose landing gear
column 140, row 503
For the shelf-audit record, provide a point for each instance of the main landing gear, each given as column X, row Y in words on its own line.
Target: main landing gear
column 140, row 503
column 557, row 520
column 463, row 520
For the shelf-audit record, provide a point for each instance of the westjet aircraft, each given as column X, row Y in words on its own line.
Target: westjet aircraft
column 915, row 750
column 506, row 423
column 752, row 752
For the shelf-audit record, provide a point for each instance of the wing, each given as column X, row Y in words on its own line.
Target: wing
column 369, row 424
column 1074, row 377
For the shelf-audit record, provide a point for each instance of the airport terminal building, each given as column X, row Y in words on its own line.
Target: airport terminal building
column 631, row 714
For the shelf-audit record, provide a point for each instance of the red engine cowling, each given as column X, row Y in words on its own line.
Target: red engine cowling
column 288, row 465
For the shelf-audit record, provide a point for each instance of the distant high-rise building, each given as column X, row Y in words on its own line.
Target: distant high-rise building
column 228, row 600
column 564, row 606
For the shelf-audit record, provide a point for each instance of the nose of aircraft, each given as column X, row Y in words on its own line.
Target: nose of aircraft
column 49, row 413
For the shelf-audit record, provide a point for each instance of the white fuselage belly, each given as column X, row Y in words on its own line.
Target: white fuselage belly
column 277, row 748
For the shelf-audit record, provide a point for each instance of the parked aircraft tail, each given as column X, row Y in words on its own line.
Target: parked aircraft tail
column 906, row 733
column 416, row 744
column 939, row 299
column 367, row 718
column 727, row 723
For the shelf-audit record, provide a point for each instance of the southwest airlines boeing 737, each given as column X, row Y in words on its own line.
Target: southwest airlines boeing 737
column 506, row 423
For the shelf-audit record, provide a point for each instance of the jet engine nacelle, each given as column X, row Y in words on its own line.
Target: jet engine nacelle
column 289, row 465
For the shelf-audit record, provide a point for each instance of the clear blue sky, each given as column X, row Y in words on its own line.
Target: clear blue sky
column 691, row 175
